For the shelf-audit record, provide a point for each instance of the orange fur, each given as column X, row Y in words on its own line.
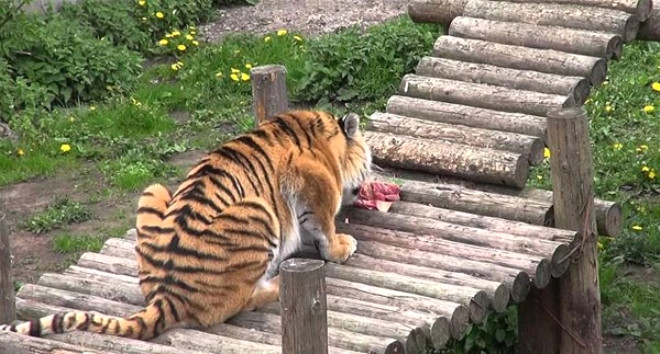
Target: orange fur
column 213, row 248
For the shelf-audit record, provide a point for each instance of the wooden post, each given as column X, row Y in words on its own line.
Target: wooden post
column 7, row 305
column 565, row 317
column 303, row 304
column 268, row 91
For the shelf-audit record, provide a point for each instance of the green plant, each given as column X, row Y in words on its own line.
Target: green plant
column 67, row 243
column 498, row 333
column 158, row 17
column 57, row 215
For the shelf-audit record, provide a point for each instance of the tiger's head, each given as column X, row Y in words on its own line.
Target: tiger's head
column 355, row 157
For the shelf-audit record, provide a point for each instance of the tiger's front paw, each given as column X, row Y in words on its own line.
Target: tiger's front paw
column 344, row 247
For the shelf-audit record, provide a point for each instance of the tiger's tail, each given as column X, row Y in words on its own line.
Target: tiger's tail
column 157, row 317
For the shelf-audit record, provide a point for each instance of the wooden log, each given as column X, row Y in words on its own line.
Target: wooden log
column 497, row 292
column 476, row 300
column 449, row 113
column 574, row 86
column 19, row 344
column 573, row 194
column 435, row 11
column 529, row 146
column 108, row 263
column 640, row 8
column 522, row 58
column 481, row 95
column 425, row 250
column 94, row 274
column 649, row 30
column 304, row 306
column 477, row 202
column 200, row 341
column 552, row 14
column 268, row 91
column 563, row 39
column 435, row 156
column 7, row 306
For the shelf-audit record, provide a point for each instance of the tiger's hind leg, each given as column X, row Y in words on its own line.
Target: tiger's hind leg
column 149, row 224
column 265, row 292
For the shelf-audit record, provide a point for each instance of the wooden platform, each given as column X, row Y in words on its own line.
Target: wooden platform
column 455, row 247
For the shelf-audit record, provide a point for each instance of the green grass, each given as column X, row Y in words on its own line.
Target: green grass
column 66, row 243
column 63, row 212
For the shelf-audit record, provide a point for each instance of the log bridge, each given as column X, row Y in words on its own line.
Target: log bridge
column 467, row 237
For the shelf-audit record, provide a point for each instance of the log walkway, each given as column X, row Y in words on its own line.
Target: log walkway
column 467, row 237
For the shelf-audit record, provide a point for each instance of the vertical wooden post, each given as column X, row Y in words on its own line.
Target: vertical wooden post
column 268, row 91
column 573, row 193
column 303, row 304
column 7, row 304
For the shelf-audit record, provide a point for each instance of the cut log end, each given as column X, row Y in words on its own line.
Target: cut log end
column 479, row 306
column 395, row 348
column 632, row 28
column 560, row 261
column 581, row 91
column 520, row 288
column 440, row 332
column 599, row 72
column 500, row 298
column 644, row 8
column 615, row 47
column 543, row 274
column 459, row 323
column 417, row 339
column 608, row 218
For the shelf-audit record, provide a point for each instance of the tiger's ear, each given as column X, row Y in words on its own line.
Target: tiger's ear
column 350, row 123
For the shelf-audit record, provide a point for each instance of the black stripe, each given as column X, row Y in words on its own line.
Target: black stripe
column 247, row 248
column 169, row 265
column 117, row 327
column 232, row 155
column 282, row 124
column 223, row 188
column 104, row 329
column 158, row 229
column 150, row 210
column 173, row 309
column 263, row 223
column 201, row 200
column 239, row 156
column 183, row 251
column 187, row 210
column 160, row 322
column 304, row 130
column 232, row 218
column 183, row 224
column 12, row 328
column 84, row 325
column 148, row 194
column 249, row 233
column 248, row 141
column 141, row 324
column 35, row 328
column 56, row 323
column 263, row 135
column 163, row 290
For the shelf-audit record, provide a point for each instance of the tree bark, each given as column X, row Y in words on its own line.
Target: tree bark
column 579, row 300
column 552, row 14
column 480, row 95
column 434, row 156
column 573, row 86
column 450, row 113
column 640, row 8
column 435, row 11
column 529, row 146
column 7, row 305
column 268, row 91
column 649, row 30
column 536, row 36
column 522, row 58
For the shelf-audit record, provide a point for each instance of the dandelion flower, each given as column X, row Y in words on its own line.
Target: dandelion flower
column 235, row 71
column 72, row 119
column 163, row 42
column 637, row 228
column 144, row 19
column 281, row 32
column 20, row 152
column 193, row 32
column 652, row 174
column 218, row 74
column 644, row 147
column 181, row 47
column 176, row 66
column 92, row 108
column 267, row 39
column 539, row 177
column 655, row 86
column 189, row 37
column 176, row 33
column 609, row 108
column 237, row 52
column 605, row 83
column 600, row 245
column 649, row 109
column 142, row 2
column 234, row 77
column 297, row 38
column 645, row 169
column 245, row 77
column 248, row 66
column 160, row 14
column 546, row 153
column 65, row 148
column 588, row 101
column 195, row 43
column 617, row 146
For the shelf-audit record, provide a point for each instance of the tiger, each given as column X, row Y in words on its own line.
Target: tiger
column 213, row 248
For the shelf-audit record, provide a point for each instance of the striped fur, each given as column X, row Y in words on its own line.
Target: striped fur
column 213, row 248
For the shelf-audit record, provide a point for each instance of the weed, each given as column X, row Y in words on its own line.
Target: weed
column 17, row 285
column 67, row 243
column 62, row 212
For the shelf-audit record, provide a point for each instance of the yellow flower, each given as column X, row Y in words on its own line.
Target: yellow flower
column 20, row 152
column 652, row 174
column 72, row 119
column 176, row 66
column 163, row 41
column 176, row 33
column 546, row 153
column 234, row 77
column 160, row 14
column 237, row 52
column 609, row 108
column 605, row 83
column 218, row 74
column 649, row 109
column 600, row 245
column 65, row 148
column 645, row 169
column 142, row 2
column 235, row 71
column 539, row 177
column 144, row 19
column 181, row 47
column 245, row 77
column 92, row 108
column 298, row 38
column 588, row 101
column 637, row 228
column 617, row 146
column 193, row 32
column 267, row 39
column 281, row 32
column 656, row 86
column 189, row 37
column 168, row 35
column 248, row 66
column 195, row 43
column 644, row 147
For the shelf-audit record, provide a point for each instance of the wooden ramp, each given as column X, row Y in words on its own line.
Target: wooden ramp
column 456, row 246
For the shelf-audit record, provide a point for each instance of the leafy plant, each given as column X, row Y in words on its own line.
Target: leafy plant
column 61, row 213
column 66, row 243
column 498, row 333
